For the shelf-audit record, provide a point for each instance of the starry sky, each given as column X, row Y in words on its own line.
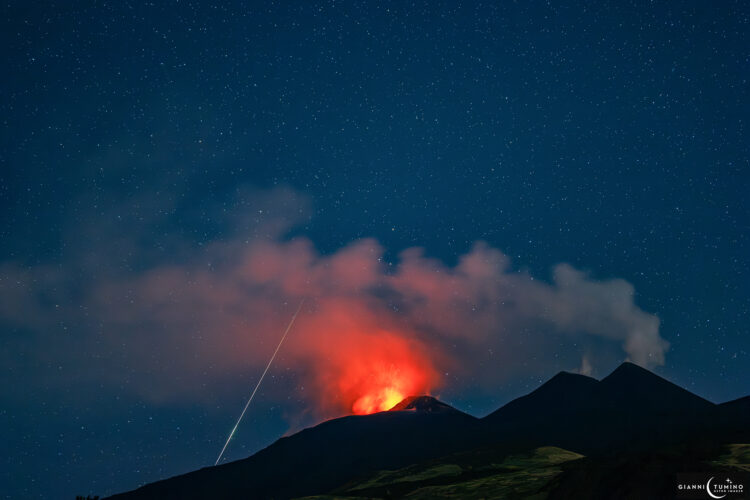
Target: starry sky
column 164, row 164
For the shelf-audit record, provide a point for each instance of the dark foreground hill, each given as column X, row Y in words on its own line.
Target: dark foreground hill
column 631, row 413
column 551, row 473
column 320, row 458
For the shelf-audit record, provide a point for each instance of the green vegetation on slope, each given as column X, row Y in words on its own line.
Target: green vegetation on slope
column 738, row 455
column 459, row 476
column 548, row 472
column 516, row 477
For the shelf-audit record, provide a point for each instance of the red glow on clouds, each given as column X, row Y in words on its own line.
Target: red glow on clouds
column 387, row 370
column 359, row 363
column 370, row 332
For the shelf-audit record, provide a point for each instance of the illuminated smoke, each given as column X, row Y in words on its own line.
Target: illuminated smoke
column 370, row 334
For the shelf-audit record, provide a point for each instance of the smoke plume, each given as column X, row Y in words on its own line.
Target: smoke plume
column 371, row 331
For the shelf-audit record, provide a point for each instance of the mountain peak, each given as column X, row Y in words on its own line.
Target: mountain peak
column 563, row 391
column 426, row 404
column 630, row 367
column 648, row 388
column 566, row 377
column 631, row 373
column 567, row 381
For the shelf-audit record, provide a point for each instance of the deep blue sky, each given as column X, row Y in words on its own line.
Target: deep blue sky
column 609, row 135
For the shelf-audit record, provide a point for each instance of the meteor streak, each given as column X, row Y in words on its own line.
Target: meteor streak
column 289, row 327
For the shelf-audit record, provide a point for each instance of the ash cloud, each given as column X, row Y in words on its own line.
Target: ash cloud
column 182, row 321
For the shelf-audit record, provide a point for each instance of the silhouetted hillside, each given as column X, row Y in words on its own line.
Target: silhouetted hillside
column 630, row 409
column 629, row 414
column 323, row 457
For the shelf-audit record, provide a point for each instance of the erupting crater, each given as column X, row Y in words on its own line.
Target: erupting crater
column 382, row 375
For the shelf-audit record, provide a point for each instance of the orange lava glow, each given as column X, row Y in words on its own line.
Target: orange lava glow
column 388, row 369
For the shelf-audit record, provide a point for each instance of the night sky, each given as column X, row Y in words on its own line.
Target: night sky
column 176, row 176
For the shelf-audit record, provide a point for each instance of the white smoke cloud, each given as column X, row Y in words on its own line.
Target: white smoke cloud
column 170, row 327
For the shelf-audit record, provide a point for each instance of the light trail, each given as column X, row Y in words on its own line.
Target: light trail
column 289, row 327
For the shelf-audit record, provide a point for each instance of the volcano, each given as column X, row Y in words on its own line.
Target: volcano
column 630, row 412
column 330, row 453
column 423, row 404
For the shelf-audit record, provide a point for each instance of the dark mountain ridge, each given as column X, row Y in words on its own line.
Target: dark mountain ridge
column 630, row 410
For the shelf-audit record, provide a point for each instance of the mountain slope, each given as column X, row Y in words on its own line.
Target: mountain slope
column 323, row 457
column 463, row 476
column 628, row 413
column 565, row 393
